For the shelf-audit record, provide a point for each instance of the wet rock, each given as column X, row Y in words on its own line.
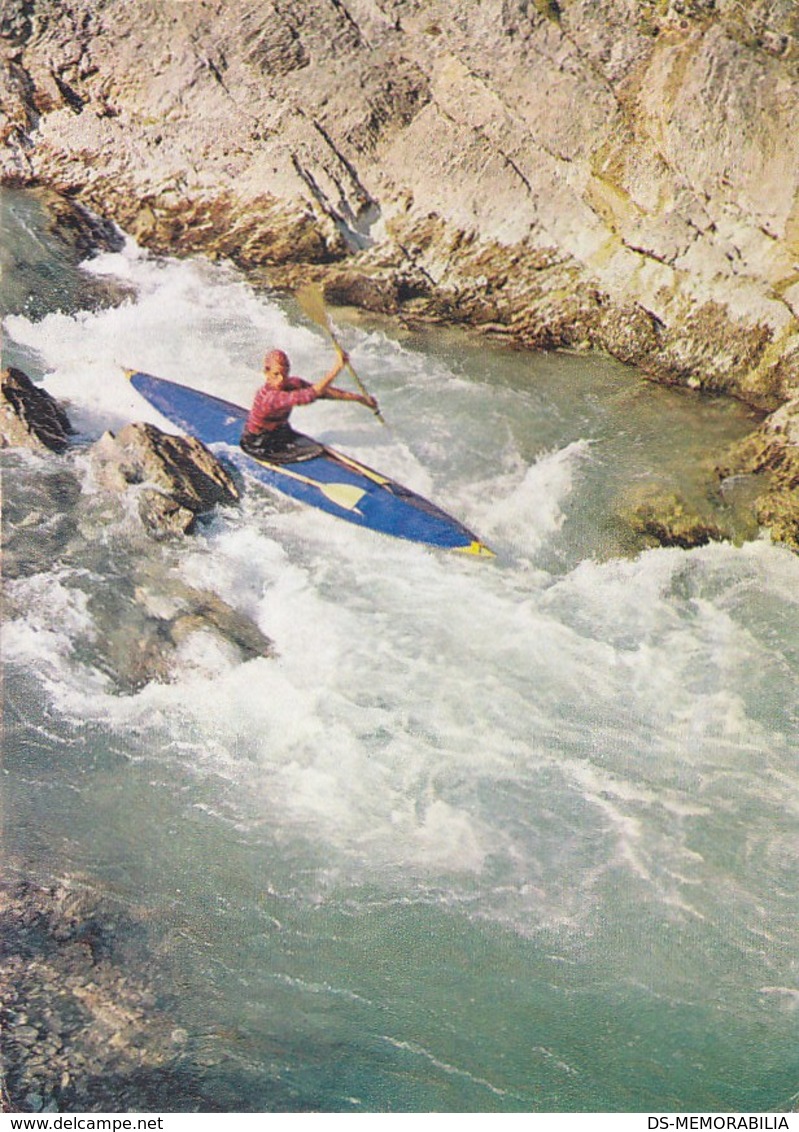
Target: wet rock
column 664, row 518
column 80, row 232
column 778, row 511
column 29, row 416
column 772, row 452
column 142, row 627
column 115, row 1044
column 45, row 274
column 176, row 478
column 133, row 647
column 206, row 611
column 163, row 516
column 452, row 145
column 371, row 292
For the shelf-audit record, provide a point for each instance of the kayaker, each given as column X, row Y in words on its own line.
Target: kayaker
column 267, row 431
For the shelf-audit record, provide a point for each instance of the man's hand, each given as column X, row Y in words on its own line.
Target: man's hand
column 369, row 401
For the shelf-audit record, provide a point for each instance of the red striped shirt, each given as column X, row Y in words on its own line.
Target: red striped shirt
column 272, row 406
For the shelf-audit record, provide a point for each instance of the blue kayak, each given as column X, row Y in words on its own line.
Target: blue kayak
column 326, row 479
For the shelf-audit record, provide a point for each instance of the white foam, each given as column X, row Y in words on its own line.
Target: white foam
column 190, row 321
column 419, row 1051
column 522, row 510
column 56, row 614
column 202, row 653
column 425, row 714
column 788, row 996
column 405, row 680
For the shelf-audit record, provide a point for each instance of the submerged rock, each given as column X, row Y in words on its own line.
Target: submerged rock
column 29, row 416
column 143, row 626
column 664, row 518
column 772, row 452
column 204, row 611
column 177, row 478
column 81, row 1031
column 39, row 521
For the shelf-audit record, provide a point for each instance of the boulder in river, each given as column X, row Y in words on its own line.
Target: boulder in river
column 666, row 518
column 772, row 451
column 178, row 477
column 206, row 612
column 145, row 633
column 29, row 416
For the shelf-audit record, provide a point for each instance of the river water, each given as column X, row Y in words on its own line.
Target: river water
column 507, row 835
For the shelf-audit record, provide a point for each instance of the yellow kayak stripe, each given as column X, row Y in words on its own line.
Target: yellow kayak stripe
column 375, row 477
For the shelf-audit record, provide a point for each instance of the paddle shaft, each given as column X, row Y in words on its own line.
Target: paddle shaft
column 357, row 379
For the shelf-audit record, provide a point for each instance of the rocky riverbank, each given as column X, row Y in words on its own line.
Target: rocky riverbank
column 616, row 176
column 79, row 1033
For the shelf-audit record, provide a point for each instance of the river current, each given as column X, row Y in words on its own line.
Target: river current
column 507, row 835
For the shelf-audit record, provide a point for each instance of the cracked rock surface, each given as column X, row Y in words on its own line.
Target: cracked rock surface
column 612, row 174
column 619, row 174
column 178, row 477
column 29, row 416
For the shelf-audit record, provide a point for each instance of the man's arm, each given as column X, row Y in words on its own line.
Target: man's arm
column 333, row 394
column 327, row 391
column 321, row 387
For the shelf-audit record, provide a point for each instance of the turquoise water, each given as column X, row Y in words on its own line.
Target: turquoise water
column 501, row 836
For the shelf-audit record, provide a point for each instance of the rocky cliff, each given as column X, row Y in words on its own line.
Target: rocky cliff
column 613, row 174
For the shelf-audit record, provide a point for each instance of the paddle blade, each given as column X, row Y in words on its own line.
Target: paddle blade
column 344, row 495
column 312, row 304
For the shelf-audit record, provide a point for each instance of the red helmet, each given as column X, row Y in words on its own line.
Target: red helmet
column 279, row 356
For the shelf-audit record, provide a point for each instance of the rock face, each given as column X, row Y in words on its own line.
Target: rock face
column 773, row 451
column 612, row 173
column 178, row 477
column 29, row 416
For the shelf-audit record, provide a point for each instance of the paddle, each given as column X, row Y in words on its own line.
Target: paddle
column 345, row 495
column 312, row 303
